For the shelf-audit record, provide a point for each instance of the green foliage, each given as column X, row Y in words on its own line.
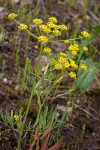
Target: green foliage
column 85, row 78
column 8, row 119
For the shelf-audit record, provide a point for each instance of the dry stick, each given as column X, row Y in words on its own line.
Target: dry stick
column 85, row 111
column 94, row 16
column 78, row 106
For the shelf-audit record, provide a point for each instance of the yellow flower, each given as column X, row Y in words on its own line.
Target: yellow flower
column 58, row 66
column 46, row 50
column 16, row 117
column 83, row 66
column 37, row 21
column 66, row 41
column 22, row 26
column 66, row 65
column 56, row 32
column 62, row 54
column 73, row 47
column 76, row 45
column 73, row 64
column 74, row 52
column 44, row 28
column 53, row 19
column 12, row 16
column 63, row 27
column 85, row 34
column 36, row 46
column 52, row 25
column 62, row 60
column 72, row 74
column 43, row 39
column 72, row 61
column 85, row 48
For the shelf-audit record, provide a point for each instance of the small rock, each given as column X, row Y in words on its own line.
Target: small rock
column 5, row 80
column 1, row 9
column 15, row 1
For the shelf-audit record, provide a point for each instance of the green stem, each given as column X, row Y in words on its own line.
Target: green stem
column 24, row 121
column 34, row 36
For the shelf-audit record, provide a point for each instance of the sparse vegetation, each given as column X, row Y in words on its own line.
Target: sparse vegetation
column 49, row 75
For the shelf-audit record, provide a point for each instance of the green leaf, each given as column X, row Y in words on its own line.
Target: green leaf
column 85, row 77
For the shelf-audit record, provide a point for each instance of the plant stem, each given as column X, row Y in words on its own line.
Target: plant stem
column 24, row 121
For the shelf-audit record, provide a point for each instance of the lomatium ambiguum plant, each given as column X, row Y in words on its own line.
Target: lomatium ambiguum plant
column 73, row 62
column 66, row 61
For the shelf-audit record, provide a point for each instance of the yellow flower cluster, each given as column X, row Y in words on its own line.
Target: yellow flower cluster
column 42, row 39
column 58, row 66
column 53, row 19
column 52, row 25
column 74, row 48
column 63, row 27
column 46, row 50
column 22, row 26
column 62, row 62
column 66, row 41
column 72, row 74
column 44, row 28
column 85, row 48
column 56, row 32
column 85, row 34
column 73, row 64
column 62, row 54
column 83, row 66
column 36, row 46
column 16, row 117
column 66, row 64
column 37, row 21
column 12, row 16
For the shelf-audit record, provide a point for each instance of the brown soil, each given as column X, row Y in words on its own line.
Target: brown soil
column 82, row 132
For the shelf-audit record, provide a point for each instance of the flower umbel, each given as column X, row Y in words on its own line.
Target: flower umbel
column 37, row 21
column 73, row 64
column 62, row 60
column 62, row 54
column 43, row 39
column 16, row 117
column 53, row 19
column 83, row 66
column 56, row 32
column 58, row 66
column 74, row 48
column 44, row 28
column 85, row 48
column 85, row 34
column 66, row 41
column 72, row 74
column 46, row 50
column 67, row 65
column 36, row 46
column 12, row 16
column 63, row 27
column 22, row 26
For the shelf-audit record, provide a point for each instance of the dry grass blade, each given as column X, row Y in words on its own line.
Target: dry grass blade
column 57, row 145
column 44, row 147
column 36, row 140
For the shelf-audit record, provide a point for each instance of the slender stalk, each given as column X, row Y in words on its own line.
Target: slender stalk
column 24, row 121
column 34, row 36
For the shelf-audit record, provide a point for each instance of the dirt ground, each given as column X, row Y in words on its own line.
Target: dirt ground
column 82, row 132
